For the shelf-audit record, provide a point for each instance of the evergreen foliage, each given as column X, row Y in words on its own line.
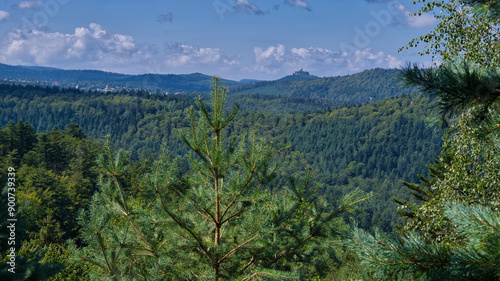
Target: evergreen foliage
column 223, row 224
column 458, row 86
column 423, row 192
column 412, row 258
column 54, row 177
column 228, row 211
column 467, row 86
column 349, row 148
column 357, row 146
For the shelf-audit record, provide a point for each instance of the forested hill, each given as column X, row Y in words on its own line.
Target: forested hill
column 100, row 80
column 304, row 92
column 371, row 147
column 360, row 88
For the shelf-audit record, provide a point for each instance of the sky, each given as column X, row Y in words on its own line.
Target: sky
column 234, row 39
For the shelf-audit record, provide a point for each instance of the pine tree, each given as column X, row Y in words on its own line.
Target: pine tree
column 222, row 223
column 460, row 86
column 412, row 258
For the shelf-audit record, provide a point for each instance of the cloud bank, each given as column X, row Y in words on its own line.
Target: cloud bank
column 4, row 15
column 93, row 47
column 424, row 20
column 245, row 6
column 280, row 60
column 299, row 3
column 96, row 48
column 28, row 5
column 178, row 55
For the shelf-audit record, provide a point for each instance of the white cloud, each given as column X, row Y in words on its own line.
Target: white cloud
column 4, row 15
column 184, row 55
column 363, row 59
column 93, row 44
column 315, row 55
column 424, row 20
column 299, row 3
column 25, row 5
column 278, row 60
column 270, row 54
column 393, row 62
column 245, row 6
column 94, row 47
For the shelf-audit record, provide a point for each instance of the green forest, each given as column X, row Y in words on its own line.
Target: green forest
column 381, row 175
column 349, row 148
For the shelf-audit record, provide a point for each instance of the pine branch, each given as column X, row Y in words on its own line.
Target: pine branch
column 459, row 86
column 230, row 253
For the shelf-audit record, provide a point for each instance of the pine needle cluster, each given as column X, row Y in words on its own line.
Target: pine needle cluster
column 221, row 222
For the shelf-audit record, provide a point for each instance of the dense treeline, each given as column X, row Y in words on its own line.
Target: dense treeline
column 278, row 103
column 345, row 148
column 55, row 172
column 54, row 175
column 367, row 86
column 368, row 147
column 222, row 222
column 372, row 147
column 98, row 113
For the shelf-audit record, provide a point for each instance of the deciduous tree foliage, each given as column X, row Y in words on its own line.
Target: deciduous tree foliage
column 466, row 29
column 469, row 173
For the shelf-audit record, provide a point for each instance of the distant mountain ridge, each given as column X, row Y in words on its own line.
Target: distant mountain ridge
column 359, row 88
column 102, row 80
column 42, row 68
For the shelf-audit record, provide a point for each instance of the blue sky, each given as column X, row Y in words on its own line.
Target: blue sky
column 236, row 39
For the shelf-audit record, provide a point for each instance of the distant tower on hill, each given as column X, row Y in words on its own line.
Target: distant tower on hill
column 301, row 72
